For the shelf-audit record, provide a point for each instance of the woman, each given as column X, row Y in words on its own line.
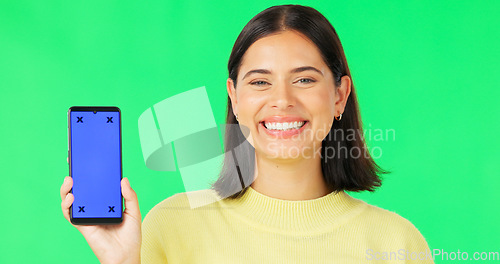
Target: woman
column 290, row 87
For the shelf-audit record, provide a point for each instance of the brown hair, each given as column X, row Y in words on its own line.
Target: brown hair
column 341, row 172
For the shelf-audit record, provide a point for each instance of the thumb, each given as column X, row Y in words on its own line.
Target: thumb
column 131, row 201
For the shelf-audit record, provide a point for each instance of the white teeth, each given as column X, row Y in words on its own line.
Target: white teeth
column 284, row 126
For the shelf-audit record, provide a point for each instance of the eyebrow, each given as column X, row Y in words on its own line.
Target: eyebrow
column 296, row 70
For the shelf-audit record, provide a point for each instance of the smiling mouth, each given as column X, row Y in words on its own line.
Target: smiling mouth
column 284, row 126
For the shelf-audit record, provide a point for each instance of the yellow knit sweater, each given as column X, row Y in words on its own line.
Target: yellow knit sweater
column 256, row 228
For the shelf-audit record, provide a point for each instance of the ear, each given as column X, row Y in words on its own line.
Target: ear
column 231, row 91
column 342, row 93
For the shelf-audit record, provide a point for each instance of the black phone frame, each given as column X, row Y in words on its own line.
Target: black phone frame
column 100, row 220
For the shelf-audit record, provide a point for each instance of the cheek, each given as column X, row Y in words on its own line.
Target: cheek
column 321, row 103
column 321, row 107
column 250, row 97
column 249, row 103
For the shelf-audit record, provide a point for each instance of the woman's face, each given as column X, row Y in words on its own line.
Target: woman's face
column 286, row 96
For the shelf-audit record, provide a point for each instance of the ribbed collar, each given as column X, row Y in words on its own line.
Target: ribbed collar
column 295, row 217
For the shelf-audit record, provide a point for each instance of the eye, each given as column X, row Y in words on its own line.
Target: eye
column 306, row 80
column 259, row 83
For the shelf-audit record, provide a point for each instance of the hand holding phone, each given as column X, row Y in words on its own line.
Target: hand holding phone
column 114, row 237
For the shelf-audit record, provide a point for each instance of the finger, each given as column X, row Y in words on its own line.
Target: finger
column 66, row 186
column 131, row 201
column 66, row 204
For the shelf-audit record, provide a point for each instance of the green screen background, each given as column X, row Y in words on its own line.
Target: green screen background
column 427, row 70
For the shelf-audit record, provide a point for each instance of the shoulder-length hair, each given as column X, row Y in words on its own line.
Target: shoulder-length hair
column 349, row 171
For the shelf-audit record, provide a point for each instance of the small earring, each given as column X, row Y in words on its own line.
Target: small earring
column 340, row 117
column 237, row 117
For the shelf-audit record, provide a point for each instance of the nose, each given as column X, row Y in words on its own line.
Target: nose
column 282, row 96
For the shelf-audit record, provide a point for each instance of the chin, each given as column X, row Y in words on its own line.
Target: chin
column 280, row 150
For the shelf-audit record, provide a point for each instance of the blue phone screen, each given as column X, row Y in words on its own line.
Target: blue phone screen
column 96, row 164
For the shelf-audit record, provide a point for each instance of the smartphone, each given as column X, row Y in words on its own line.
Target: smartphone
column 95, row 164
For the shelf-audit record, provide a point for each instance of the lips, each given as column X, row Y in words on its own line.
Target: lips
column 276, row 122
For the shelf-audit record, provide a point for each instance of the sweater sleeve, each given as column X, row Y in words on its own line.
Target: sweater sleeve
column 152, row 249
column 418, row 249
column 399, row 240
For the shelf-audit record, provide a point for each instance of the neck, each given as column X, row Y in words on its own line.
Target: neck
column 290, row 179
